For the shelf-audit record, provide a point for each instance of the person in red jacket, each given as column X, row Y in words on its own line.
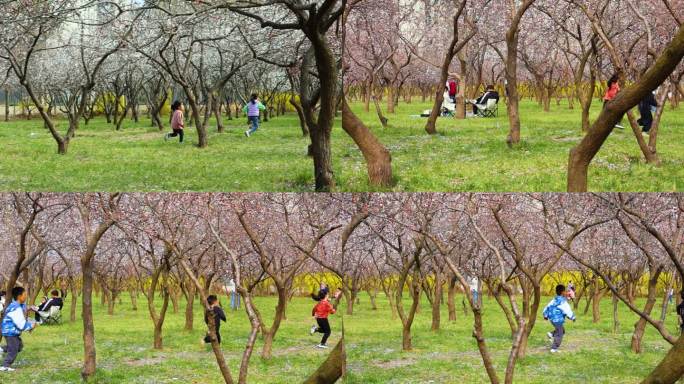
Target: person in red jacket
column 320, row 312
column 613, row 87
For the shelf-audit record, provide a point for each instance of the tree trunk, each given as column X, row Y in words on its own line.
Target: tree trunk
column 378, row 158
column 640, row 326
column 451, row 299
column 671, row 368
column 269, row 334
column 512, row 87
column 89, row 355
column 333, row 368
column 134, row 299
column 189, row 312
column 6, row 104
column 378, row 111
column 616, row 319
column 74, row 298
column 300, row 113
column 595, row 307
column 436, row 304
column 390, row 99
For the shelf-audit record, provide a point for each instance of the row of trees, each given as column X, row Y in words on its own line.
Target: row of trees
column 545, row 50
column 84, row 56
column 177, row 248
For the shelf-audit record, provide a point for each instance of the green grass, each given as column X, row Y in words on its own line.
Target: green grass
column 591, row 352
column 471, row 155
column 53, row 354
column 468, row 155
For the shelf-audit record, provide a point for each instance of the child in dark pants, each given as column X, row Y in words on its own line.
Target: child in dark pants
column 177, row 121
column 218, row 314
column 556, row 312
column 13, row 324
column 321, row 311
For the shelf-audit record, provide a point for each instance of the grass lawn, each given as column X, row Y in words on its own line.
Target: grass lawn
column 468, row 155
column 591, row 352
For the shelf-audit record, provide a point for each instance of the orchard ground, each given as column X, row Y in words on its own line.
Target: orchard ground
column 590, row 353
column 466, row 155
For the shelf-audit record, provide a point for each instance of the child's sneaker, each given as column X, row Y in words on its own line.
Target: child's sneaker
column 549, row 335
column 322, row 346
column 554, row 351
column 246, row 133
column 313, row 329
column 7, row 369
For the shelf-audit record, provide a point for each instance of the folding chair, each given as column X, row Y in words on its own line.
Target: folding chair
column 52, row 316
column 491, row 109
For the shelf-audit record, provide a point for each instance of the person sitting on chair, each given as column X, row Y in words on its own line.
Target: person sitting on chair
column 44, row 307
column 489, row 93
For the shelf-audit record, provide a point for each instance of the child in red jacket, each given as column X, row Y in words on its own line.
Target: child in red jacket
column 321, row 311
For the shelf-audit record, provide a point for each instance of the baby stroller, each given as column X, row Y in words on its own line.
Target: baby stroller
column 448, row 106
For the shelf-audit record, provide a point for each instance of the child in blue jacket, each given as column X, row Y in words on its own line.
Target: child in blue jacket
column 556, row 312
column 13, row 324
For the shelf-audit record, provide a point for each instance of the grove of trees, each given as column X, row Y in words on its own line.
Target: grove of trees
column 543, row 50
column 76, row 59
column 176, row 248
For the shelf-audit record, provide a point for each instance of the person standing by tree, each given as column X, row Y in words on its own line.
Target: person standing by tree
column 177, row 121
column 556, row 312
column 571, row 291
column 217, row 312
column 613, row 87
column 252, row 109
column 234, row 295
column 647, row 106
column 474, row 288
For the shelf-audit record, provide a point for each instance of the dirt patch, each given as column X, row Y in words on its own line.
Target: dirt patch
column 397, row 363
column 145, row 361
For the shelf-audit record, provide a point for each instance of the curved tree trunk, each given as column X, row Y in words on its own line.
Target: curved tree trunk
column 671, row 368
column 640, row 326
column 333, row 368
column 378, row 158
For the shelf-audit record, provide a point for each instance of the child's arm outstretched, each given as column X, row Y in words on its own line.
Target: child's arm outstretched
column 567, row 310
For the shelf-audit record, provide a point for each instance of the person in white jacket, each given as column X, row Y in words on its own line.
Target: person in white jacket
column 475, row 288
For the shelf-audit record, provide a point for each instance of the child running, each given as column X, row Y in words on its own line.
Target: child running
column 13, row 324
column 320, row 312
column 177, row 121
column 252, row 110
column 218, row 314
column 556, row 312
